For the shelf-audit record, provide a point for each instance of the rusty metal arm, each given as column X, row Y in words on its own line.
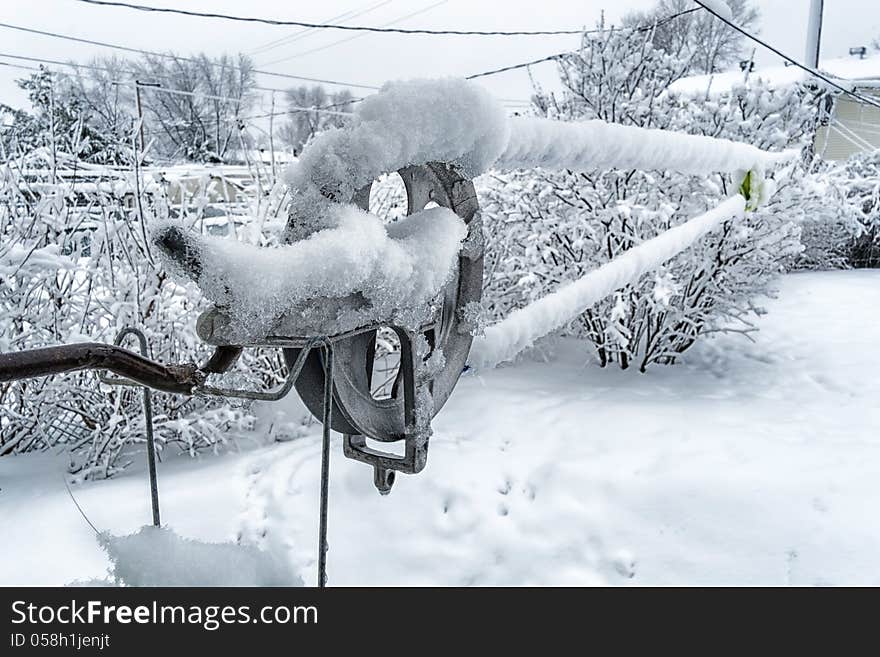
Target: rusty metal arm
column 178, row 379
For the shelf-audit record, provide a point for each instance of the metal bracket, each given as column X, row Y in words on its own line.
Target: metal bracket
column 415, row 456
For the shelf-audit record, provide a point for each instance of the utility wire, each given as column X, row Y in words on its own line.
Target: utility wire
column 330, row 26
column 561, row 55
column 794, row 62
column 356, row 36
column 21, row 66
column 152, row 53
column 301, row 34
column 513, row 67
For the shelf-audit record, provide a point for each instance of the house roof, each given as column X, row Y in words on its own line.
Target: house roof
column 853, row 69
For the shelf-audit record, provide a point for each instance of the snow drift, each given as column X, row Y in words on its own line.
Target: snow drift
column 156, row 556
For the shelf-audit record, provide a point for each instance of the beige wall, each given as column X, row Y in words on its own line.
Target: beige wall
column 854, row 127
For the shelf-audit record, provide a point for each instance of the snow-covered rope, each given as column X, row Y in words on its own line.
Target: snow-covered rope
column 338, row 250
column 586, row 145
column 519, row 330
column 458, row 122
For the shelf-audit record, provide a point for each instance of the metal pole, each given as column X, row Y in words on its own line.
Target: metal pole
column 325, row 466
column 140, row 111
column 814, row 34
column 151, row 455
column 148, row 421
column 272, row 137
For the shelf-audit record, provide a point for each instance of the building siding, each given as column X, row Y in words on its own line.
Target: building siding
column 854, row 127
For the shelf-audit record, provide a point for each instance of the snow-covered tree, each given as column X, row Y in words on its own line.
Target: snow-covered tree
column 61, row 121
column 202, row 124
column 302, row 124
column 697, row 36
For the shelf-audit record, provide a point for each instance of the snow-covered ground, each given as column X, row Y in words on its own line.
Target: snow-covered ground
column 750, row 463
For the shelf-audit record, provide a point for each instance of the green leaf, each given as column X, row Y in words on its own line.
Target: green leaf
column 746, row 188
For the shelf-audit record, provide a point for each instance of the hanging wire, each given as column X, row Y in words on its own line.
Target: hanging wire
column 165, row 55
column 352, row 38
column 793, row 62
column 330, row 26
column 152, row 53
column 301, row 34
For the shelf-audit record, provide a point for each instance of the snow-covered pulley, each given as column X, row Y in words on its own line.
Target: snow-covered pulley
column 431, row 358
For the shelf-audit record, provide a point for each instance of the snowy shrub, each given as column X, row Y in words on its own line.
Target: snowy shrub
column 862, row 173
column 830, row 228
column 843, row 229
column 545, row 228
column 853, row 240
column 76, row 265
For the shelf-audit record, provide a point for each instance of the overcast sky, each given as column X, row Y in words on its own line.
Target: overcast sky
column 374, row 58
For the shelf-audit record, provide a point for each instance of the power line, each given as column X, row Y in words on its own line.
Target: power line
column 238, row 101
column 21, row 66
column 152, row 53
column 330, row 26
column 301, row 34
column 513, row 67
column 356, row 36
column 560, row 55
column 794, row 62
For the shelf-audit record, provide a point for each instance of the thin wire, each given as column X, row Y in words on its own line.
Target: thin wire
column 513, row 67
column 104, row 44
column 792, row 61
column 560, row 55
column 356, row 36
column 181, row 92
column 301, row 34
column 78, row 507
column 297, row 110
column 330, row 26
column 152, row 53
column 21, row 66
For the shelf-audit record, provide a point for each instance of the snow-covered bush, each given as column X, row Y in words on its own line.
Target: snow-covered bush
column 76, row 265
column 862, row 172
column 545, row 228
column 852, row 238
column 831, row 229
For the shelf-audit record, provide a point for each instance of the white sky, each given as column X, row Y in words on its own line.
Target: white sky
column 375, row 58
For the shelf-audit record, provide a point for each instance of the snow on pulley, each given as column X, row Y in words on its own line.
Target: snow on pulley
column 377, row 320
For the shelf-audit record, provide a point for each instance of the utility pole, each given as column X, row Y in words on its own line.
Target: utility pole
column 137, row 94
column 272, row 137
column 814, row 34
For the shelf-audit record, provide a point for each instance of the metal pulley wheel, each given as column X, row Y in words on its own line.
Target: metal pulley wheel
column 363, row 407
